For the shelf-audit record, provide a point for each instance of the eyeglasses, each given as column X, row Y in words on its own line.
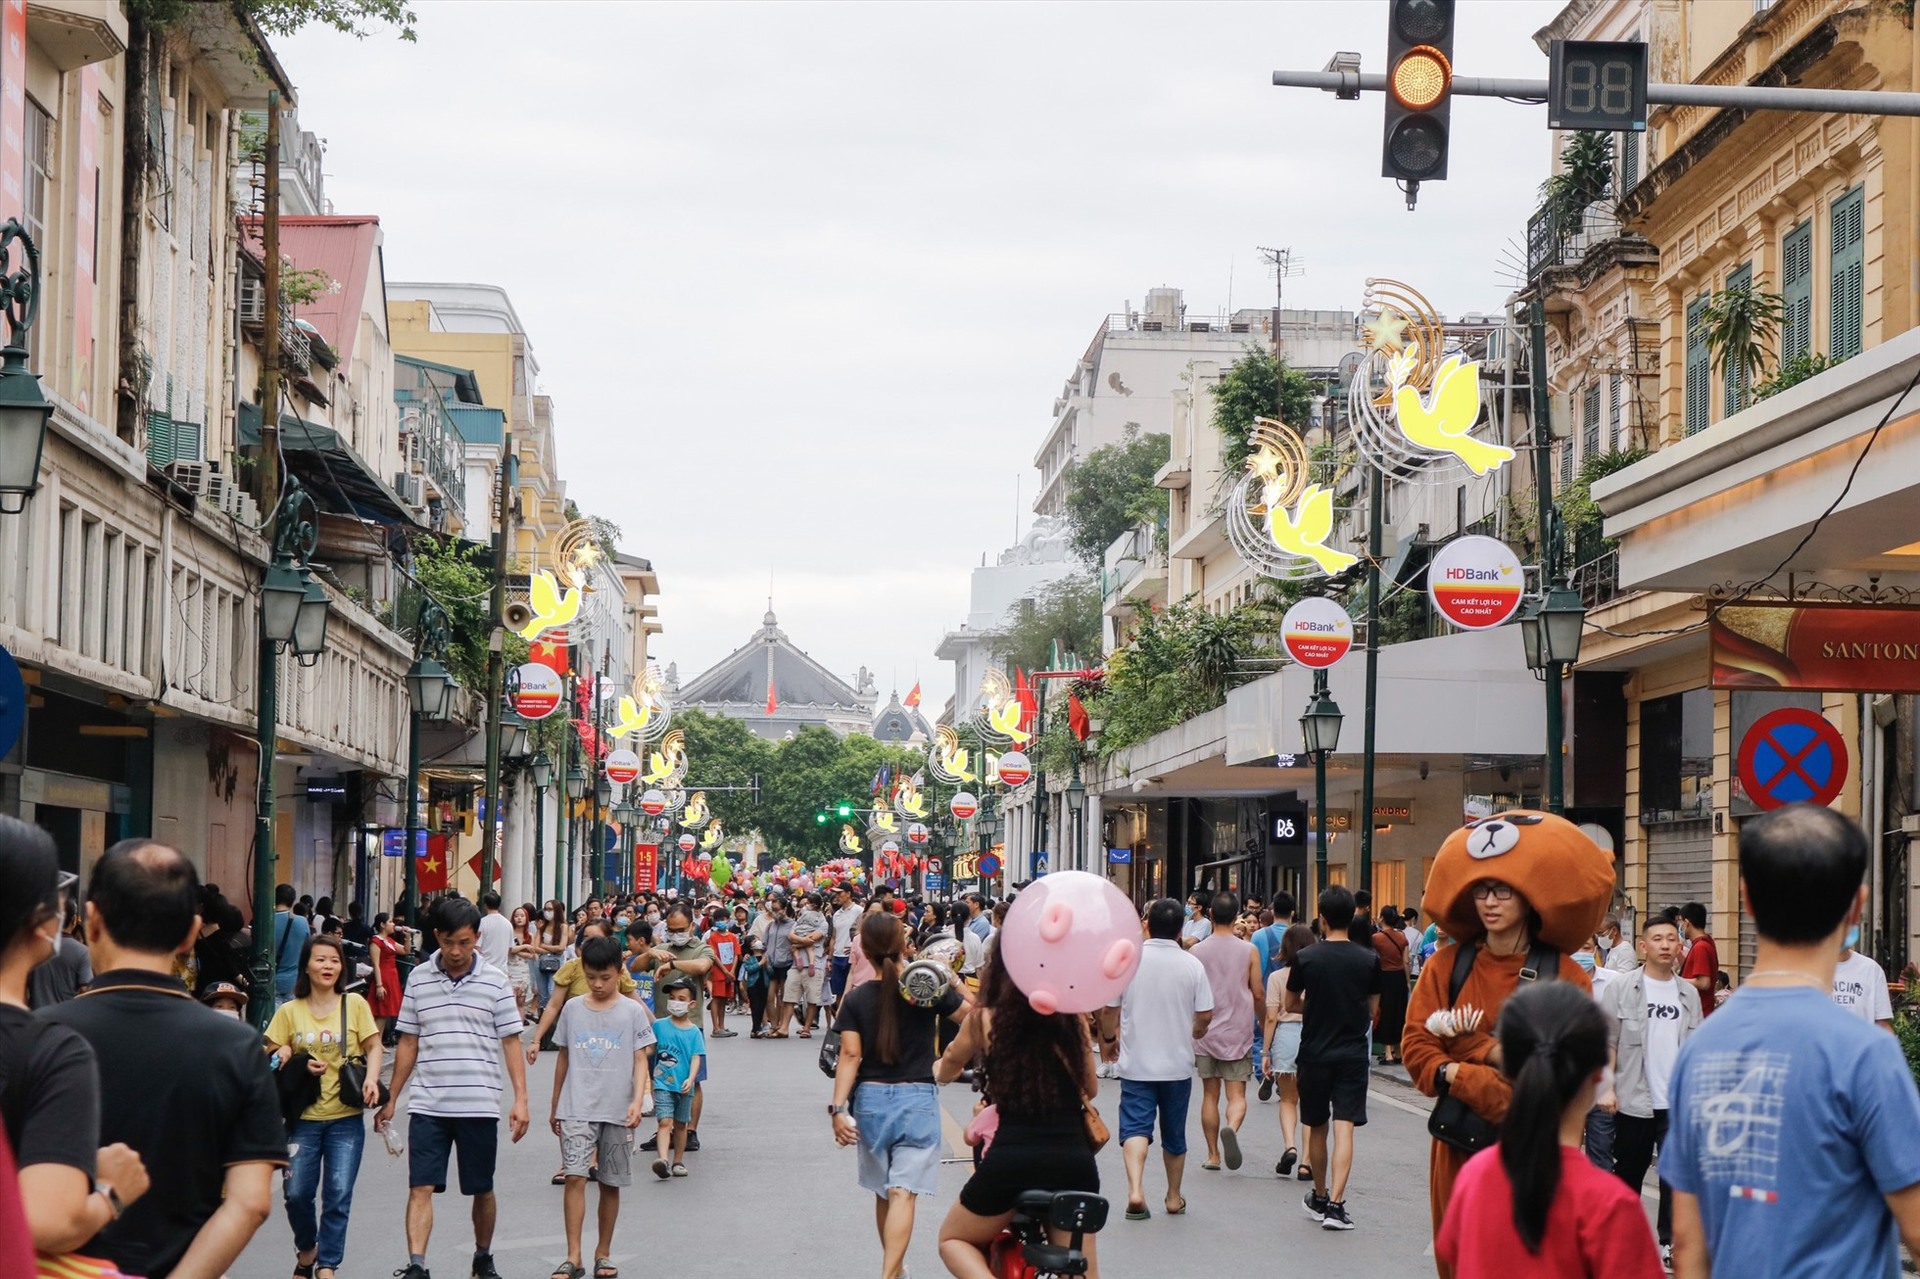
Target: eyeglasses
column 1493, row 891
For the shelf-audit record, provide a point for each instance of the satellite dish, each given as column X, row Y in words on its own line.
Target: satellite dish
column 1350, row 364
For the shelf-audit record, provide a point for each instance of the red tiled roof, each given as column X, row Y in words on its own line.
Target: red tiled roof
column 346, row 249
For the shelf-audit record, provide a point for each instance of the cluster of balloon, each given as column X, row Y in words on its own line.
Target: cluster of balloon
column 842, row 870
column 1071, row 942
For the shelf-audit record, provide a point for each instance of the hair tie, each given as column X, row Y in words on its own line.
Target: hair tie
column 1549, row 1046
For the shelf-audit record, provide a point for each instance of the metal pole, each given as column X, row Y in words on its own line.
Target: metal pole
column 1376, row 493
column 412, row 856
column 1738, row 97
column 1549, row 547
column 265, row 863
column 496, row 663
column 539, row 836
column 1319, row 805
column 268, row 474
column 563, row 871
column 598, row 827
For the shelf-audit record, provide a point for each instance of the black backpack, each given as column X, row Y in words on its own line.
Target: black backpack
column 1452, row 1121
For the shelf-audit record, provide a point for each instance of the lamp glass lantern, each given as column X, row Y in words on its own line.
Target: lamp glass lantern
column 24, row 413
column 1320, row 726
column 603, row 792
column 282, row 594
column 430, row 688
column 576, row 783
column 513, row 736
column 1076, row 797
column 1530, row 636
column 542, row 770
column 1562, row 618
column 310, row 622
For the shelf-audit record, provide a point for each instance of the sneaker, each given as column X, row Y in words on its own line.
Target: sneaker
column 651, row 1143
column 679, row 1170
column 1266, row 1088
column 1336, row 1217
column 483, row 1267
column 1287, row 1161
column 1666, row 1257
column 661, row 1170
column 693, row 1140
column 411, row 1271
column 1316, row 1204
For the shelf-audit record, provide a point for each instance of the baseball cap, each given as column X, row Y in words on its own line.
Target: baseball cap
column 223, row 990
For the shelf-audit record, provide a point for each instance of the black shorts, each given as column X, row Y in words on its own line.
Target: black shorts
column 431, row 1137
column 1039, row 1160
column 1339, row 1088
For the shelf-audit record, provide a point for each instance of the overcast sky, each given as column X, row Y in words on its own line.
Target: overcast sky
column 804, row 280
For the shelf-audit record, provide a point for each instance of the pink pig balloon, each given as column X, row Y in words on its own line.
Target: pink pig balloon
column 1071, row 942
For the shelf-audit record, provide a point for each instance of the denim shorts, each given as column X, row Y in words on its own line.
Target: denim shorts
column 1141, row 1100
column 899, row 1137
column 1286, row 1047
column 672, row 1104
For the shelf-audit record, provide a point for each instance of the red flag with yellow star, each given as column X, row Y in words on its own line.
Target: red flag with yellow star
column 430, row 871
column 550, row 650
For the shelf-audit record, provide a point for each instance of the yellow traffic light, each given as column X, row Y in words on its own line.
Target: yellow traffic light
column 1421, row 77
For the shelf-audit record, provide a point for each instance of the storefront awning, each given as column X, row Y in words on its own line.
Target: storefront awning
column 337, row 476
column 1733, row 504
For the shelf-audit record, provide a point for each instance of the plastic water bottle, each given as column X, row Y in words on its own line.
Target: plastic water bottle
column 396, row 1144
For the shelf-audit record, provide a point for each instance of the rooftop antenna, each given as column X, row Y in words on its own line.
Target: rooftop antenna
column 1283, row 264
column 1016, row 508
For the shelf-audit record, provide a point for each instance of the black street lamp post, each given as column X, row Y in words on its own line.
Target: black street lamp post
column 429, row 697
column 1320, row 733
column 24, row 410
column 540, row 769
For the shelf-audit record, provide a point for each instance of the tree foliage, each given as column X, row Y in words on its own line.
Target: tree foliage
column 1066, row 613
column 457, row 576
column 1111, row 491
column 1741, row 327
column 1258, row 384
column 1181, row 662
column 357, row 18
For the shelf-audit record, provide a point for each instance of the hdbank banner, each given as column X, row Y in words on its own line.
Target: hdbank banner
column 1317, row 632
column 1475, row 582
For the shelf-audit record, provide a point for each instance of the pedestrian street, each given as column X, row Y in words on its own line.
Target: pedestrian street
column 769, row 1188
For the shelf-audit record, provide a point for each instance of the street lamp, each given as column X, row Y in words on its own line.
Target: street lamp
column 1530, row 638
column 1563, row 616
column 309, row 637
column 1320, row 734
column 429, row 697
column 1550, row 632
column 603, row 793
column 576, row 783
column 1077, row 805
column 282, row 593
column 24, row 410
column 540, row 772
column 513, row 736
column 430, row 687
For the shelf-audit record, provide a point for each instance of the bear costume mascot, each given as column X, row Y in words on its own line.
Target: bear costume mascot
column 1516, row 893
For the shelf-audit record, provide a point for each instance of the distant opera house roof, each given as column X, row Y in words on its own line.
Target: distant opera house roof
column 769, row 670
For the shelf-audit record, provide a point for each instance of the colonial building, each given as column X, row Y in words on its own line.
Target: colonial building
column 776, row 689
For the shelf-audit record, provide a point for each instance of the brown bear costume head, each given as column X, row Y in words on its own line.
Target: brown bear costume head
column 1566, row 878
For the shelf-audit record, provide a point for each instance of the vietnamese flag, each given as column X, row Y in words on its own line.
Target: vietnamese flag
column 550, row 651
column 430, row 867
column 1077, row 719
column 473, row 864
column 913, row 698
column 773, row 703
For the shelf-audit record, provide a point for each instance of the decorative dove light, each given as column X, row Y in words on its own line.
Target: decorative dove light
column 947, row 759
column 1415, row 405
column 550, row 607
column 1277, row 518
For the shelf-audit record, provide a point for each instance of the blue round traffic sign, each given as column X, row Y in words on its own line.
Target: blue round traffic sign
column 989, row 865
column 13, row 703
column 1792, row 756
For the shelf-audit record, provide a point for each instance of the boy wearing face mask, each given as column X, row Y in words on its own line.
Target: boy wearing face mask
column 679, row 1051
column 225, row 998
column 1860, row 984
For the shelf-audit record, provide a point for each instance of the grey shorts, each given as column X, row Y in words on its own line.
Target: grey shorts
column 1240, row 1068
column 614, row 1142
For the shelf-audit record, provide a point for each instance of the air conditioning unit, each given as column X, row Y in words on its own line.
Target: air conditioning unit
column 191, row 476
column 253, row 300
column 216, row 490
column 410, row 489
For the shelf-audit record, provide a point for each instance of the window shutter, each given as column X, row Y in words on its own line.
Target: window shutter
column 1590, row 422
column 1566, row 463
column 1733, row 378
column 159, row 439
column 1847, row 223
column 1699, row 372
column 1629, row 162
column 1796, row 271
column 1616, row 424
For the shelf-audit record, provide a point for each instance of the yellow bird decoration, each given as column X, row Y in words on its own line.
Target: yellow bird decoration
column 670, row 759
column 696, row 814
column 550, row 607
column 908, row 801
column 949, row 758
column 885, row 821
column 630, row 717
column 849, row 841
column 1304, row 530
column 1006, row 716
column 713, row 838
column 1443, row 420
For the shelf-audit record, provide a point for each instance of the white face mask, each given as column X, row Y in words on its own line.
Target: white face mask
column 679, row 939
column 549, row 914
column 679, row 1007
column 229, row 1012
column 653, row 917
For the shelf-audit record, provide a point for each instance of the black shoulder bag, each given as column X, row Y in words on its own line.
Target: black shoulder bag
column 353, row 1067
column 1452, row 1121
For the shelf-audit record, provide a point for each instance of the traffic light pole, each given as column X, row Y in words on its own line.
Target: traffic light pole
column 1351, row 84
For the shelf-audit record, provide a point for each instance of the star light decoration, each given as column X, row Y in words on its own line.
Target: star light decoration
column 1278, row 518
column 1414, row 406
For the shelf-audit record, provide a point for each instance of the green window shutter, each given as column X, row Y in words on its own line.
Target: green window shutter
column 1796, row 272
column 1847, row 224
column 1590, row 421
column 1733, row 378
column 1699, row 369
column 1566, row 463
column 1616, row 423
column 159, row 439
column 1629, row 162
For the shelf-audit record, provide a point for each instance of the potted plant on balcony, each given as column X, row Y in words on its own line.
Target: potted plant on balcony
column 1586, row 174
column 1741, row 326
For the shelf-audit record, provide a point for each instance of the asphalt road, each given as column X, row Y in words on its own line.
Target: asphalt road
column 770, row 1189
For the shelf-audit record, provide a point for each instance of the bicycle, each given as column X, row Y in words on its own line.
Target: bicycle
column 1025, row 1249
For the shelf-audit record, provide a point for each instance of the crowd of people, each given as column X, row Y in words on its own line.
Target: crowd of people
column 1566, row 1051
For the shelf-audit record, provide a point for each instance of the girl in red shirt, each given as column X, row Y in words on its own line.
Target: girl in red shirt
column 1533, row 1206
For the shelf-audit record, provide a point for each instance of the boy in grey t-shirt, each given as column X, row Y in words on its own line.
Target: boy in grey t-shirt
column 598, row 1090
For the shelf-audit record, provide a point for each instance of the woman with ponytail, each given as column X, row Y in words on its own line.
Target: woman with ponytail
column 1533, row 1206
column 883, row 1090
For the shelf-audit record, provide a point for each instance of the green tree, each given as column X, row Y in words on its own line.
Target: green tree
column 357, row 18
column 725, row 752
column 458, row 576
column 1066, row 613
column 1111, row 491
column 1180, row 662
column 1258, row 384
column 1741, row 326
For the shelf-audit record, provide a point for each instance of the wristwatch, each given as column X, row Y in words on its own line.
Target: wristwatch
column 112, row 1198
column 842, row 1109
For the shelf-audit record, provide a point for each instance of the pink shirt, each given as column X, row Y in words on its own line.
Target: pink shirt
column 858, row 969
column 1227, row 959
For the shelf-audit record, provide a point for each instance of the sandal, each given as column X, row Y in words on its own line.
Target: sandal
column 603, row 1268
column 302, row 1272
column 567, row 1270
column 1142, row 1213
column 559, row 1179
column 1175, row 1212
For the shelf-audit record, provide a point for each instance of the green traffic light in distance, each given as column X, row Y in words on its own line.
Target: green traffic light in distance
column 846, row 810
column 821, row 818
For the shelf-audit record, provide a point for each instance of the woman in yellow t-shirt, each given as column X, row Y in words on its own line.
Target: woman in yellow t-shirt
column 317, row 1030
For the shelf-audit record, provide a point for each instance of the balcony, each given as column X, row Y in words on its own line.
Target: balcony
column 1569, row 243
column 1134, row 567
column 1598, row 580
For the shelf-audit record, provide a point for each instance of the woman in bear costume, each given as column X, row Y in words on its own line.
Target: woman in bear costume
column 1557, row 885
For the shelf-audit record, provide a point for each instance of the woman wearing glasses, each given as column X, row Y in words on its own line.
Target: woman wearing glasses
column 1517, row 893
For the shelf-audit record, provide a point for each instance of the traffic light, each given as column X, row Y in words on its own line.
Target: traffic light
column 846, row 810
column 1419, row 91
column 820, row 818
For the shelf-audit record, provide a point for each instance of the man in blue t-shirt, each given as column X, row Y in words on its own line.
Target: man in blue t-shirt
column 1267, row 941
column 1791, row 1148
column 290, row 933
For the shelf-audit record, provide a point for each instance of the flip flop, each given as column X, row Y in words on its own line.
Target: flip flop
column 1210, row 1165
column 567, row 1270
column 1142, row 1213
column 603, row 1268
column 1230, row 1144
column 1180, row 1211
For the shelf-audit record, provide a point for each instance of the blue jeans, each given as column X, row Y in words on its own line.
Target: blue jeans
column 542, row 984
column 332, row 1147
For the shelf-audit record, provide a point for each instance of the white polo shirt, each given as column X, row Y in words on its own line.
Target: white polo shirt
column 1156, row 1013
column 459, row 1023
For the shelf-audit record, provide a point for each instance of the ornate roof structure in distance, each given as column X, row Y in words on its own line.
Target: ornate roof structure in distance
column 901, row 725
column 769, row 669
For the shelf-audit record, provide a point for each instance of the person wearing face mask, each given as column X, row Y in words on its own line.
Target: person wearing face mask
column 70, row 1186
column 679, row 953
column 226, row 999
column 679, row 1059
column 1860, row 984
column 1198, row 926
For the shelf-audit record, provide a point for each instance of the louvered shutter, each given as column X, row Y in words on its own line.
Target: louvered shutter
column 1629, row 162
column 1616, row 423
column 1699, row 372
column 1590, row 422
column 1733, row 378
column 1848, row 224
column 1796, row 270
column 159, row 439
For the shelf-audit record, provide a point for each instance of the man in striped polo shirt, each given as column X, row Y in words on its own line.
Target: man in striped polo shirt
column 458, row 1023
